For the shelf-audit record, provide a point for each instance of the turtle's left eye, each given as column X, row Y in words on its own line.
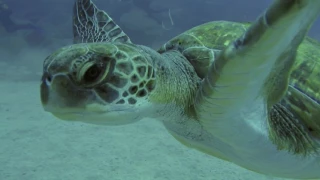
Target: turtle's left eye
column 92, row 74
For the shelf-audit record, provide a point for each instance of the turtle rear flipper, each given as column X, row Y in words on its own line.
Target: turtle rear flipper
column 239, row 74
column 91, row 24
column 288, row 131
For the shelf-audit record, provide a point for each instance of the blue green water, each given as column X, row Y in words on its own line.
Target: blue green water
column 34, row 145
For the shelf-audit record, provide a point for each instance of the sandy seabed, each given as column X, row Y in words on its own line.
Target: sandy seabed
column 34, row 145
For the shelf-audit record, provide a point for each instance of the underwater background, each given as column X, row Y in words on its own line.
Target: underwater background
column 34, row 145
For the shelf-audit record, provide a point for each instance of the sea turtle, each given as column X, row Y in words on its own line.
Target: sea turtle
column 245, row 93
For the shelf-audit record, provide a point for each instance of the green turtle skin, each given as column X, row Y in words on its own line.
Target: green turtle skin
column 243, row 92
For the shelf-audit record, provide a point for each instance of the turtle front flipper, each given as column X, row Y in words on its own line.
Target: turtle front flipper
column 240, row 74
column 91, row 24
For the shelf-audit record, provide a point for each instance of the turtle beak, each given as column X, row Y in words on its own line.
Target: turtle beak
column 59, row 94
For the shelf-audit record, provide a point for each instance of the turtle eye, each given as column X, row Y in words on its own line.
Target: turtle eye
column 92, row 74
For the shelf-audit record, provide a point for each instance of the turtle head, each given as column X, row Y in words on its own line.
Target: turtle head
column 99, row 83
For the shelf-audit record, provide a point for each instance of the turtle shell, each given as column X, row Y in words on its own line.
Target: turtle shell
column 201, row 44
